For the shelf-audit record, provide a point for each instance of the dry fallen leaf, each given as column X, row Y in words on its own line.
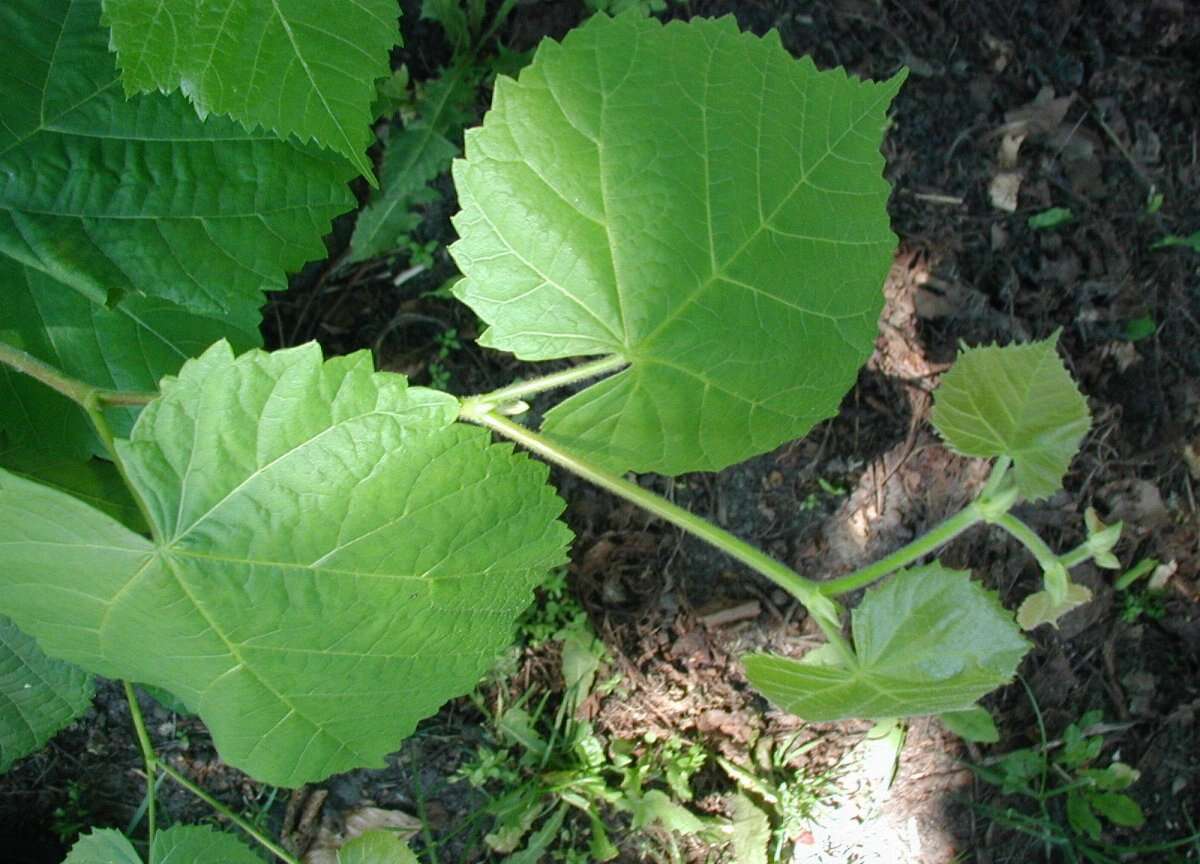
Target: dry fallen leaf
column 357, row 822
column 1003, row 191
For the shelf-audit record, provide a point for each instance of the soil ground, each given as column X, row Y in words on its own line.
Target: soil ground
column 1010, row 109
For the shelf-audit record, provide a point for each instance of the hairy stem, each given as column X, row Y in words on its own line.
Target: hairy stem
column 804, row 590
column 150, row 760
column 979, row 510
column 521, row 389
column 91, row 406
column 905, row 555
column 1030, row 540
column 74, row 389
column 781, row 575
column 263, row 840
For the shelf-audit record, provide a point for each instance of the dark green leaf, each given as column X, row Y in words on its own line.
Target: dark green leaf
column 38, row 694
column 300, row 68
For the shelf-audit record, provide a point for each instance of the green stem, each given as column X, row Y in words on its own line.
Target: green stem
column 149, row 758
column 74, row 389
column 521, row 389
column 982, row 509
column 91, row 406
column 1029, row 539
column 263, row 840
column 88, row 397
column 804, row 590
column 1076, row 556
column 905, row 555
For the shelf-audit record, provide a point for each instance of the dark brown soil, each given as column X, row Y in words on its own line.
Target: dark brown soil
column 1103, row 95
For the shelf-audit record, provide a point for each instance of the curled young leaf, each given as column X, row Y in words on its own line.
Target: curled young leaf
column 1017, row 401
column 1043, row 607
column 696, row 201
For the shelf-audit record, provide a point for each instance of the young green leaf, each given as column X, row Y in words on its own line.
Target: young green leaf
column 751, row 831
column 412, row 157
column 376, row 847
column 658, row 193
column 332, row 558
column 200, row 844
column 928, row 641
column 1192, row 241
column 1081, row 817
column 1017, row 401
column 38, row 695
column 541, row 840
column 104, row 846
column 1118, row 809
column 297, row 68
column 132, row 235
column 973, row 724
column 1051, row 218
column 1042, row 607
column 656, row 807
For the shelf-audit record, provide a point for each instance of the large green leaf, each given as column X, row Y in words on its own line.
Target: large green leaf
column 376, row 847
column 696, row 201
column 926, row 642
column 103, row 846
column 180, row 844
column 1017, row 401
column 302, row 67
column 332, row 559
column 38, row 695
column 200, row 844
column 132, row 235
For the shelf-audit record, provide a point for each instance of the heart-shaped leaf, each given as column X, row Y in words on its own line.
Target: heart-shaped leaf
column 1017, row 401
column 928, row 641
column 332, row 557
column 697, row 202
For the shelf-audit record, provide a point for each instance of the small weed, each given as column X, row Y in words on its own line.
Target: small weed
column 543, row 764
column 787, row 797
column 70, row 818
column 445, row 344
column 1070, row 802
column 1136, row 604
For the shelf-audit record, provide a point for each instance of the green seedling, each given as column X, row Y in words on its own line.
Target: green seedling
column 312, row 556
column 1192, row 241
column 1065, row 780
column 1055, row 217
column 542, row 766
column 777, row 802
column 1137, row 603
column 1075, row 795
